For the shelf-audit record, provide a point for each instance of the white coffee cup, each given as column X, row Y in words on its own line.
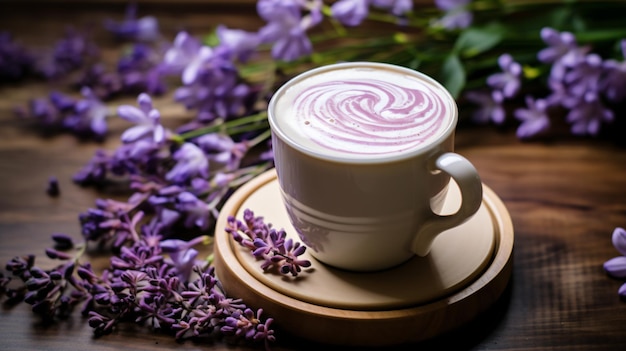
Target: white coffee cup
column 364, row 156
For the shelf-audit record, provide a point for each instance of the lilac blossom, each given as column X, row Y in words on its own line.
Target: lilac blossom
column 588, row 114
column 613, row 82
column 15, row 60
column 489, row 106
column 191, row 162
column 139, row 71
column 353, row 12
column 534, row 118
column 89, row 117
column 50, row 111
column 237, row 43
column 222, row 150
column 95, row 171
column 146, row 118
column 70, row 53
column 584, row 76
column 104, row 83
column 576, row 80
column 212, row 87
column 562, row 47
column 133, row 28
column 562, row 51
column 182, row 254
column 198, row 213
column 396, row 7
column 267, row 244
column 182, row 52
column 85, row 118
column 287, row 26
column 616, row 267
column 62, row 241
column 457, row 15
column 350, row 12
column 508, row 81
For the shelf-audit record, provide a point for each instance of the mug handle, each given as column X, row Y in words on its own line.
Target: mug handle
column 466, row 177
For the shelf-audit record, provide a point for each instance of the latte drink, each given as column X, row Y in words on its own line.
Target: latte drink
column 364, row 155
column 364, row 112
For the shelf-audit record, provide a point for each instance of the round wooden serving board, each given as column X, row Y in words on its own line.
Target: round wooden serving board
column 466, row 271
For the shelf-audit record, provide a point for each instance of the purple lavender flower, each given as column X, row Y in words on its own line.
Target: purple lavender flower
column 396, row 7
column 182, row 254
column 267, row 244
column 286, row 28
column 69, row 53
column 103, row 83
column 190, row 162
column 562, row 47
column 197, row 213
column 50, row 112
column 618, row 238
column 236, row 43
column 182, row 52
column 246, row 325
column 509, row 80
column 583, row 76
column 133, row 28
column 15, row 61
column 534, row 118
column 89, row 116
column 62, row 241
column 140, row 72
column 223, row 150
column 139, row 157
column 95, row 171
column 457, row 15
column 84, row 118
column 52, row 293
column 616, row 267
column 489, row 106
column 147, row 118
column 588, row 114
column 194, row 69
column 350, row 12
column 613, row 82
column 212, row 87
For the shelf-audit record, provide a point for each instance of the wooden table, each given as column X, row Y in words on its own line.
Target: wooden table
column 565, row 198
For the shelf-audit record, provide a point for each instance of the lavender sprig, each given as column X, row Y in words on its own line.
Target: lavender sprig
column 616, row 266
column 268, row 244
column 155, row 283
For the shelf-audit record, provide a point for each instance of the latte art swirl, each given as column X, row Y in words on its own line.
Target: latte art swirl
column 368, row 116
column 364, row 113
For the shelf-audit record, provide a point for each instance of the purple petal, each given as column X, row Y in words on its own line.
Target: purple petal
column 616, row 267
column 134, row 133
column 622, row 291
column 619, row 240
column 131, row 114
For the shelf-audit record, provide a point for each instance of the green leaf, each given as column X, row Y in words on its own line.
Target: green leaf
column 474, row 41
column 453, row 75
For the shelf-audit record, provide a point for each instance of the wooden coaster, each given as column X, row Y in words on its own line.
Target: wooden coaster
column 467, row 270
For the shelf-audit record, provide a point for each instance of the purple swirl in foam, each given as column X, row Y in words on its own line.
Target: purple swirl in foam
column 370, row 116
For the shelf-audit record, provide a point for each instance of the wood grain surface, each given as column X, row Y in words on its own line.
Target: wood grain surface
column 565, row 197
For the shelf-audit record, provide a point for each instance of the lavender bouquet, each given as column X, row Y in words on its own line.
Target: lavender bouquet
column 541, row 67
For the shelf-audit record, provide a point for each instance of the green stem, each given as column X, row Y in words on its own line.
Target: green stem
column 259, row 138
column 220, row 125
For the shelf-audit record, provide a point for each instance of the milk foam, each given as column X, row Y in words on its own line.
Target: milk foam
column 363, row 112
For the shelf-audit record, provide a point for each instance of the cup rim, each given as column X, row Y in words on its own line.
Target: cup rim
column 277, row 131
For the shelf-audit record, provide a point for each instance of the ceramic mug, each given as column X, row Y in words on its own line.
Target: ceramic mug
column 364, row 155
